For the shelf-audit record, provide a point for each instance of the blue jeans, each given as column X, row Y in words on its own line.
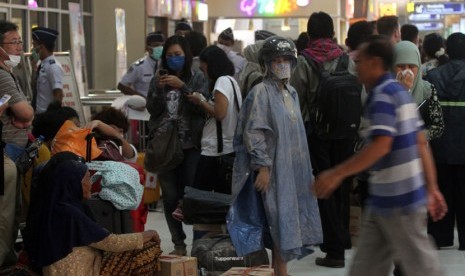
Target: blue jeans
column 172, row 185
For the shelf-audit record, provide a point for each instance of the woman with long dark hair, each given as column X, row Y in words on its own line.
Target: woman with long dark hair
column 223, row 108
column 167, row 104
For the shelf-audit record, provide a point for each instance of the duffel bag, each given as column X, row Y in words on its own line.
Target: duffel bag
column 217, row 253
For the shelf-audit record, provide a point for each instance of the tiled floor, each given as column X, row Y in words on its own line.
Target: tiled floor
column 452, row 260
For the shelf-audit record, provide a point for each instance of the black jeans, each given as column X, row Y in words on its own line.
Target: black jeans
column 172, row 185
column 451, row 181
column 335, row 210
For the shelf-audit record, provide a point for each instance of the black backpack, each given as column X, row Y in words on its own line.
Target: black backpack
column 338, row 101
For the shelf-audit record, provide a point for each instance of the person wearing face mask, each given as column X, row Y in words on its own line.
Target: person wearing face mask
column 226, row 43
column 136, row 81
column 273, row 166
column 167, row 103
column 15, row 122
column 325, row 153
column 49, row 82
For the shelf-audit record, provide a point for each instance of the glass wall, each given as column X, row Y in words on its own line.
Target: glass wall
column 54, row 14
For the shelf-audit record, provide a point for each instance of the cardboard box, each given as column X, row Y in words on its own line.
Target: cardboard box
column 177, row 266
column 250, row 271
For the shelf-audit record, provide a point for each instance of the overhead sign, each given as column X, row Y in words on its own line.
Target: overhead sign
column 270, row 7
column 387, row 9
column 424, row 17
column 430, row 26
column 439, row 8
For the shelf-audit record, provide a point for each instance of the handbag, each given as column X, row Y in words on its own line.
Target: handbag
column 74, row 139
column 110, row 151
column 431, row 113
column 164, row 150
column 120, row 183
column 226, row 160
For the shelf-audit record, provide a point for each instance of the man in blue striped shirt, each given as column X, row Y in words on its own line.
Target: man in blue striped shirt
column 403, row 178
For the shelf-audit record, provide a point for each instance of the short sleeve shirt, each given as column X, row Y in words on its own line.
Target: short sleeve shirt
column 9, row 85
column 139, row 75
column 50, row 78
column 223, row 85
column 397, row 179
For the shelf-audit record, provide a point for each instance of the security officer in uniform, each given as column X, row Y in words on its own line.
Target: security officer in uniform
column 136, row 81
column 49, row 85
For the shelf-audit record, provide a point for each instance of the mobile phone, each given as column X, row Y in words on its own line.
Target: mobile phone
column 5, row 99
column 162, row 72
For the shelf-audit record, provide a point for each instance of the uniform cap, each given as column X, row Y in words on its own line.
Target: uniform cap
column 263, row 34
column 155, row 37
column 183, row 26
column 227, row 34
column 43, row 34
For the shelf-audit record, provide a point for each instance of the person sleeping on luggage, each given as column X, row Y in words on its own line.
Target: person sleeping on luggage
column 63, row 239
column 112, row 123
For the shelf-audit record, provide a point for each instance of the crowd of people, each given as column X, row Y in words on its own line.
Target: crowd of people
column 264, row 111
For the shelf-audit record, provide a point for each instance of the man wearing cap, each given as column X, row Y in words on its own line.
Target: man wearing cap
column 49, row 86
column 182, row 28
column 226, row 42
column 136, row 81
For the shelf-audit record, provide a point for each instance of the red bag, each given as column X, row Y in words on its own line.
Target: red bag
column 139, row 216
column 110, row 151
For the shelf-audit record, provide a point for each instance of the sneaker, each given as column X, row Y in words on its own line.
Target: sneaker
column 329, row 262
column 179, row 252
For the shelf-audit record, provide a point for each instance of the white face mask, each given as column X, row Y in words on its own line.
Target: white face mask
column 14, row 61
column 223, row 47
column 281, row 70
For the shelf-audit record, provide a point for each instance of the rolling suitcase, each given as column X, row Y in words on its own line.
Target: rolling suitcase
column 106, row 215
column 104, row 212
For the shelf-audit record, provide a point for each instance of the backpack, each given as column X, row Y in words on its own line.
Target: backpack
column 338, row 101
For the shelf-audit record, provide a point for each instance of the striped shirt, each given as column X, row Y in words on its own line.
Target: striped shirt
column 10, row 86
column 397, row 179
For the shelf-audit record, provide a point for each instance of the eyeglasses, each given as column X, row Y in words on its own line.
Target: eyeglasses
column 15, row 42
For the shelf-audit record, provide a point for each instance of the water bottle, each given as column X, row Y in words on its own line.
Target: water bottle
column 26, row 159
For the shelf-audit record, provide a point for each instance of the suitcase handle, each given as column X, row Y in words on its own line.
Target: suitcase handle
column 89, row 146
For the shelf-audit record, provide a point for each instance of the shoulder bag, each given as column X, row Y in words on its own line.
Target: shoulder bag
column 164, row 150
column 431, row 113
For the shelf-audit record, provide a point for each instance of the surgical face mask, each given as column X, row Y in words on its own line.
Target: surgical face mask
column 14, row 61
column 156, row 52
column 176, row 63
column 225, row 48
column 35, row 53
column 281, row 70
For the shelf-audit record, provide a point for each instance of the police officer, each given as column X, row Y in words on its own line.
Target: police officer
column 136, row 81
column 49, row 85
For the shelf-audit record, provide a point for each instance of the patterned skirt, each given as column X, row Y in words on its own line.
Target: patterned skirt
column 134, row 262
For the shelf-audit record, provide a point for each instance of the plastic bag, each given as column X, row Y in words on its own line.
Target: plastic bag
column 246, row 221
column 72, row 138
